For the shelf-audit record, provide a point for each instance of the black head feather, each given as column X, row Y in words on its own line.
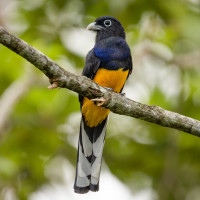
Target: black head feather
column 108, row 27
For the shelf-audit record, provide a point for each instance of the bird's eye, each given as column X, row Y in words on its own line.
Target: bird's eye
column 107, row 23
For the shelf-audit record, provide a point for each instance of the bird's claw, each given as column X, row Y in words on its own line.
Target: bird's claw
column 99, row 102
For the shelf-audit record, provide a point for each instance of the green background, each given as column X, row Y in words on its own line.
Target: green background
column 38, row 125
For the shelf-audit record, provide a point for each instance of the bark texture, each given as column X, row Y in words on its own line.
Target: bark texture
column 117, row 103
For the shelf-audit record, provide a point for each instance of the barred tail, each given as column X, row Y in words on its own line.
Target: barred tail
column 90, row 150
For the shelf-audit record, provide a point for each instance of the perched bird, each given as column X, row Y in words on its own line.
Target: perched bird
column 109, row 64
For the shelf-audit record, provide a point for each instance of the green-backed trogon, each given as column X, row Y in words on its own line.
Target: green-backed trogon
column 109, row 64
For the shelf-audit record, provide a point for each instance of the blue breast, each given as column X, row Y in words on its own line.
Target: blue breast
column 113, row 48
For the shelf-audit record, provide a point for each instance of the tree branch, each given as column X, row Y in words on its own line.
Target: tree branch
column 86, row 87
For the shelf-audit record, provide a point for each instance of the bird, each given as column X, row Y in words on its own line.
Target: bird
column 109, row 64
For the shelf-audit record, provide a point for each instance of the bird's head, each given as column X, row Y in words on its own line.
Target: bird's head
column 107, row 27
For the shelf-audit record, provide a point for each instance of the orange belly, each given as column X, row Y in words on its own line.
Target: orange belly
column 114, row 79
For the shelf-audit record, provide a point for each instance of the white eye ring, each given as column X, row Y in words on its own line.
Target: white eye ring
column 107, row 23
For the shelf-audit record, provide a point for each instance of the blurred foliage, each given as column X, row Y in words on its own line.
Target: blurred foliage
column 164, row 39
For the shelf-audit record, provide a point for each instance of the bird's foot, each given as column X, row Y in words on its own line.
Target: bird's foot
column 99, row 102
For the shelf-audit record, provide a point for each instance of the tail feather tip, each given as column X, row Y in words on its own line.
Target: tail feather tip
column 84, row 190
column 94, row 188
column 81, row 190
